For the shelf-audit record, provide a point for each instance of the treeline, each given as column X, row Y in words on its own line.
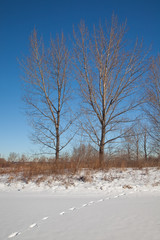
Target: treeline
column 87, row 156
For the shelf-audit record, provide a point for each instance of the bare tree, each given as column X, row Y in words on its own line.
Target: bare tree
column 136, row 136
column 153, row 102
column 145, row 135
column 13, row 157
column 136, row 142
column 109, row 73
column 128, row 143
column 46, row 92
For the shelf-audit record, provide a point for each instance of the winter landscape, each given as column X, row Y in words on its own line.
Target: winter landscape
column 79, row 120
column 117, row 204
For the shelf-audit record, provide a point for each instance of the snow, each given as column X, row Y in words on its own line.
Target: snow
column 117, row 205
column 13, row 235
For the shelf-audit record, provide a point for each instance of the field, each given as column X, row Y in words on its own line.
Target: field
column 96, row 205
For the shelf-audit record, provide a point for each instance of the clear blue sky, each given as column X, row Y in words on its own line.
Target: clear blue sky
column 17, row 20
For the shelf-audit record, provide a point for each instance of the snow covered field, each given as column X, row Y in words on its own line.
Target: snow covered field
column 114, row 205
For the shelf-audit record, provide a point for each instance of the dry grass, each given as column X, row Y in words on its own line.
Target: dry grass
column 83, row 158
column 69, row 167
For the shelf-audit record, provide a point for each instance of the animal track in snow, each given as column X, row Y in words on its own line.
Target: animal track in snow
column 72, row 209
column 84, row 205
column 91, row 202
column 33, row 225
column 101, row 200
column 62, row 213
column 14, row 234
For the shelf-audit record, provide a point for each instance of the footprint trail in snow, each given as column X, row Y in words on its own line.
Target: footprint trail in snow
column 72, row 209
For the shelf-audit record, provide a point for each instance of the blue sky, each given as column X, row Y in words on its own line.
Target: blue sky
column 17, row 20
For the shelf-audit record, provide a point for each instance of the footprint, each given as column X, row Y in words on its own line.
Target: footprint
column 72, row 209
column 62, row 213
column 14, row 234
column 45, row 218
column 84, row 205
column 91, row 202
column 101, row 200
column 33, row 225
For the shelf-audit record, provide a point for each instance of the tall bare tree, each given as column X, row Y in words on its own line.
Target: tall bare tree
column 109, row 72
column 145, row 137
column 153, row 101
column 46, row 91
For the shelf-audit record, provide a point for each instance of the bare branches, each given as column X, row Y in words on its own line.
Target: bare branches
column 109, row 73
column 153, row 101
column 46, row 89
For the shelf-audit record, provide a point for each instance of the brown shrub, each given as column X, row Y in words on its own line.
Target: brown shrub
column 70, row 166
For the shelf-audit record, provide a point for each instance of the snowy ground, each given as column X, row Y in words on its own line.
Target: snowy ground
column 114, row 205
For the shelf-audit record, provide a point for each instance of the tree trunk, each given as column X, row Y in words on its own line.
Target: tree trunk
column 129, row 152
column 57, row 144
column 137, row 149
column 101, row 155
column 145, row 145
column 57, row 132
column 101, row 147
